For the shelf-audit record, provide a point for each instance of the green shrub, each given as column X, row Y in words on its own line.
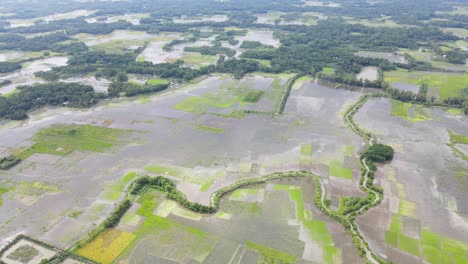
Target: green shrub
column 253, row 96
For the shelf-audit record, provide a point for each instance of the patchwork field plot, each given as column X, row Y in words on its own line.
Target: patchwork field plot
column 410, row 112
column 256, row 132
column 64, row 139
column 257, row 94
column 107, row 246
column 418, row 228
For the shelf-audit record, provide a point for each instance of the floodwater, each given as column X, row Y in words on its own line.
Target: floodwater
column 276, row 212
column 392, row 57
column 370, row 73
column 424, row 172
column 92, row 40
column 99, row 85
column 133, row 18
column 30, row 22
column 26, row 76
column 406, row 87
column 215, row 18
column 10, row 55
column 321, row 3
column 312, row 116
column 154, row 51
column 264, row 36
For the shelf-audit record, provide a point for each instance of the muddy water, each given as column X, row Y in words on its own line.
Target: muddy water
column 26, row 75
column 392, row 57
column 132, row 18
column 427, row 169
column 154, row 51
column 321, row 3
column 264, row 36
column 10, row 55
column 69, row 15
column 216, row 18
column 406, row 87
column 312, row 116
column 92, row 40
column 273, row 225
column 370, row 73
column 99, row 85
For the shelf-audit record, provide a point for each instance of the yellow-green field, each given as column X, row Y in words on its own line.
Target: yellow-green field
column 445, row 84
column 107, row 246
column 410, row 112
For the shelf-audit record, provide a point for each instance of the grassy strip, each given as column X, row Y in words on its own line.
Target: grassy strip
column 458, row 139
column 272, row 254
column 279, row 109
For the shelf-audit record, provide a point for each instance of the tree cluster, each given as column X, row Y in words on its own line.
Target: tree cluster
column 54, row 94
column 168, row 186
column 119, row 88
column 379, row 153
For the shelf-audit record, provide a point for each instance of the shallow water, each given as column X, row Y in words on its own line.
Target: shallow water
column 99, row 85
column 370, row 73
column 424, row 165
column 392, row 57
column 215, row 18
column 311, row 117
column 10, row 55
column 132, row 18
column 92, row 40
column 264, row 36
column 26, row 76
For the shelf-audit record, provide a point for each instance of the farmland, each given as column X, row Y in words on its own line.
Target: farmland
column 282, row 131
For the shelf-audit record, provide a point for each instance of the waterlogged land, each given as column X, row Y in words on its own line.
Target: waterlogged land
column 422, row 213
column 208, row 165
column 227, row 144
column 231, row 123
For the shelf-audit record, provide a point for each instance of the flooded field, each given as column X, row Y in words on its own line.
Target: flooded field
column 441, row 84
column 264, row 36
column 99, row 85
column 306, row 18
column 118, row 35
column 26, row 76
column 242, row 230
column 321, row 3
column 70, row 15
column 10, row 55
column 132, row 18
column 424, row 193
column 215, row 18
column 224, row 148
column 370, row 73
column 155, row 53
column 392, row 57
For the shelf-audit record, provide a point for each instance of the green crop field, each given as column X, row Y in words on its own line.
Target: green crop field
column 337, row 169
column 446, row 84
column 64, row 139
column 273, row 255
